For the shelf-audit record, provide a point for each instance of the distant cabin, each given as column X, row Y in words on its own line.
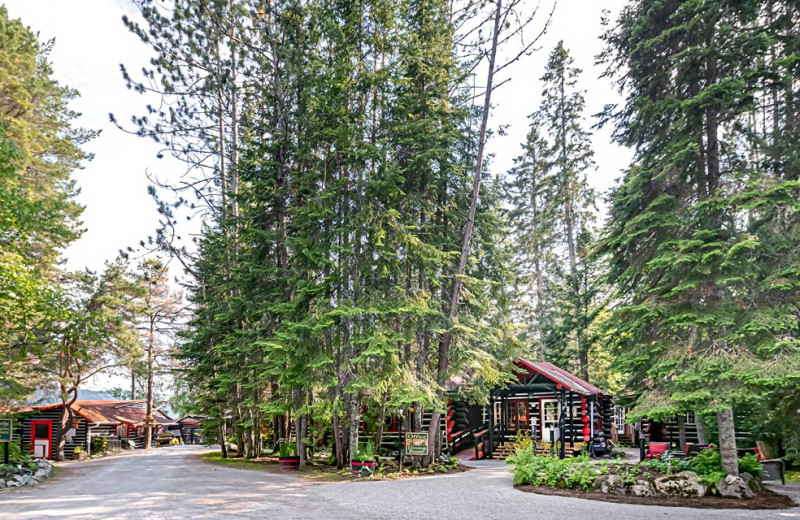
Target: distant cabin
column 115, row 419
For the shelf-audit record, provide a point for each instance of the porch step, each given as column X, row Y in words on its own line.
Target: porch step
column 502, row 451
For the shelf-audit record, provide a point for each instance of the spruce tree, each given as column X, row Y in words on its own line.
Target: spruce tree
column 702, row 235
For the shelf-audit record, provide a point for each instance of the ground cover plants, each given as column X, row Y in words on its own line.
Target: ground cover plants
column 649, row 478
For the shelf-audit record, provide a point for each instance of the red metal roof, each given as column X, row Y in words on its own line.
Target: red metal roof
column 112, row 411
column 561, row 376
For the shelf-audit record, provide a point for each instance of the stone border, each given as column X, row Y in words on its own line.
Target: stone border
column 44, row 472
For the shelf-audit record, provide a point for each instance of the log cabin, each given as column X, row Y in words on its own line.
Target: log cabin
column 116, row 420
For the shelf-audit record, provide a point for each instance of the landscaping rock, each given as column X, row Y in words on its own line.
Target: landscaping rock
column 2, row 484
column 752, row 482
column 12, row 484
column 734, row 487
column 684, row 484
column 609, row 484
column 22, row 480
column 642, row 488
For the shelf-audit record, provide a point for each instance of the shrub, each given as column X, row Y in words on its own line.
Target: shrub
column 99, row 445
column 365, row 452
column 522, row 440
column 749, row 464
column 286, row 449
column 531, row 469
column 706, row 462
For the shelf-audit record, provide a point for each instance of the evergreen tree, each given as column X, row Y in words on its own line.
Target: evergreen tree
column 553, row 214
column 39, row 149
column 702, row 235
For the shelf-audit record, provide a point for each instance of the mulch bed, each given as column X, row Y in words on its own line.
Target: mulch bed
column 764, row 500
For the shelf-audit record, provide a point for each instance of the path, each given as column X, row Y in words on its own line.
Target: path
column 170, row 483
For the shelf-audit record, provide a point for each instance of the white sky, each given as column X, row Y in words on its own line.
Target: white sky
column 91, row 42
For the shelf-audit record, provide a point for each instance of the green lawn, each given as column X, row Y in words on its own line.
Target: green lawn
column 793, row 476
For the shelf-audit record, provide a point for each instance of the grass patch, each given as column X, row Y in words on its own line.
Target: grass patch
column 793, row 476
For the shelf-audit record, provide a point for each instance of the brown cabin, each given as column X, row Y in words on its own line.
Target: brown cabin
column 115, row 419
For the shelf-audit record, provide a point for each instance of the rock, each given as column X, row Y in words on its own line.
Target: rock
column 2, row 484
column 735, row 487
column 642, row 488
column 33, row 482
column 12, row 484
column 752, row 482
column 609, row 484
column 684, row 484
column 22, row 480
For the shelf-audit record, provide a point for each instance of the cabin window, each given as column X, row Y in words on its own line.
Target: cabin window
column 550, row 414
column 41, row 431
column 690, row 418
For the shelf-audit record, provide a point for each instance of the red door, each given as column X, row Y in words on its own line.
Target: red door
column 42, row 439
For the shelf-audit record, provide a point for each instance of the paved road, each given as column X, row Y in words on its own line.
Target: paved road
column 170, row 483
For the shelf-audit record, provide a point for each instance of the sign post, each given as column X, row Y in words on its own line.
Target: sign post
column 416, row 443
column 5, row 437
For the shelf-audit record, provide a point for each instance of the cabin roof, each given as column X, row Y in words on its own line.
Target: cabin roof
column 111, row 411
column 560, row 376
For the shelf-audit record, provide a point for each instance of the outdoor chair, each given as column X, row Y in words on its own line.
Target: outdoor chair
column 656, row 449
column 773, row 469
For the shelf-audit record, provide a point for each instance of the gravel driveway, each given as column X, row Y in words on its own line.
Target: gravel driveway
column 169, row 483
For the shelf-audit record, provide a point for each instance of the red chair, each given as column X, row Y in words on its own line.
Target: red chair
column 655, row 450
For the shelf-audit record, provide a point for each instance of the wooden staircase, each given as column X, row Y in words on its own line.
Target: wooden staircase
column 502, row 451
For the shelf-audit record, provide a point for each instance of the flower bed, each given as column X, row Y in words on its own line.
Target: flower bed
column 695, row 478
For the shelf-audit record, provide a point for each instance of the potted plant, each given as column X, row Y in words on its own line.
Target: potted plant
column 287, row 457
column 78, row 453
column 364, row 462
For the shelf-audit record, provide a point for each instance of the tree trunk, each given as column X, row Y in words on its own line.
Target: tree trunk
column 682, row 431
column 355, row 414
column 444, row 344
column 223, row 446
column 727, row 441
column 701, row 429
column 381, row 421
column 148, row 416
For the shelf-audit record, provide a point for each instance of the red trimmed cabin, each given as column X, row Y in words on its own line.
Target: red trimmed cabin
column 114, row 419
column 547, row 401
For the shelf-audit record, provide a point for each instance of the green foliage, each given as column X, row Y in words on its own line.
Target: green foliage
column 706, row 462
column 20, row 455
column 99, row 445
column 365, row 452
column 553, row 212
column 703, row 239
column 748, row 463
column 39, row 148
column 573, row 473
column 287, row 449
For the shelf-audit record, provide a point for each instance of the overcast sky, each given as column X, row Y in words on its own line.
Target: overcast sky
column 91, row 42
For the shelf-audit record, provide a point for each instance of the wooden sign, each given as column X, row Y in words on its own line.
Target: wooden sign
column 417, row 443
column 5, row 430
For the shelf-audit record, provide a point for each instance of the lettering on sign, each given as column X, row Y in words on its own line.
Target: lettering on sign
column 5, row 430
column 417, row 443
